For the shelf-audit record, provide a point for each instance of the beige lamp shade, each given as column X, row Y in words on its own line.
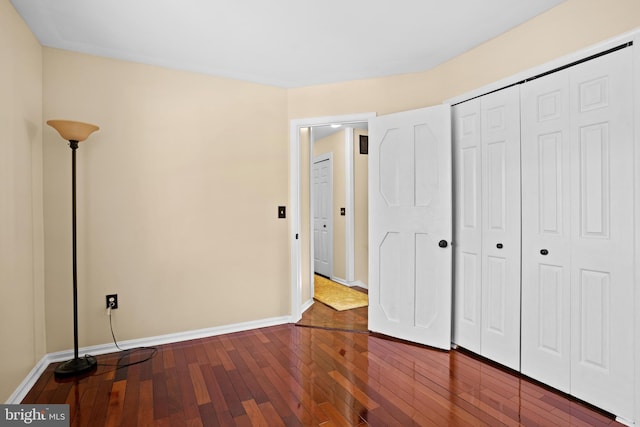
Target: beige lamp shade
column 73, row 131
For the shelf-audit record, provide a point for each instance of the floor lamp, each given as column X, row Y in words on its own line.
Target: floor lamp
column 74, row 132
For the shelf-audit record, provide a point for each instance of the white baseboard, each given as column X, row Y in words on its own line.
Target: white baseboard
column 350, row 284
column 339, row 280
column 359, row 284
column 307, row 305
column 31, row 378
column 23, row 388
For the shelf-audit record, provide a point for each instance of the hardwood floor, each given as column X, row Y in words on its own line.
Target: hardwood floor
column 320, row 315
column 289, row 375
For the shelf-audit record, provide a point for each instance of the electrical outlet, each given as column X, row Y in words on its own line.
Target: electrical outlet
column 112, row 301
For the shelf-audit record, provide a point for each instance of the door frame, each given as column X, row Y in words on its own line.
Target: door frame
column 324, row 157
column 295, row 188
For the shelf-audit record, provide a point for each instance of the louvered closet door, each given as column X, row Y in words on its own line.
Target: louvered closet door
column 500, row 117
column 546, row 242
column 468, row 226
column 602, row 206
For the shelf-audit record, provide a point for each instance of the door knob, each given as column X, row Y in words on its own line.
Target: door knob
column 499, row 246
column 442, row 243
column 324, row 225
column 544, row 252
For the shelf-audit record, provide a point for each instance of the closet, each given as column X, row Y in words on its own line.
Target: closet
column 578, row 240
column 486, row 140
column 544, row 229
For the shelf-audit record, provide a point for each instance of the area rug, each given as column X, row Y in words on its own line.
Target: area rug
column 337, row 296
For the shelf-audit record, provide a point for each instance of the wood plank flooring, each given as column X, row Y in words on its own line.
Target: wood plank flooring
column 301, row 376
column 323, row 316
column 320, row 315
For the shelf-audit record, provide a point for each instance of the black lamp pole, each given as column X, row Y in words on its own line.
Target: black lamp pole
column 74, row 146
column 74, row 132
column 77, row 365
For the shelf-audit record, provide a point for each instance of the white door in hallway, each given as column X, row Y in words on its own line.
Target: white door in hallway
column 322, row 208
column 410, row 220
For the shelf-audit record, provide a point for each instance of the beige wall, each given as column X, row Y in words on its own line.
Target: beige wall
column 361, row 210
column 177, row 200
column 334, row 144
column 21, row 263
column 569, row 27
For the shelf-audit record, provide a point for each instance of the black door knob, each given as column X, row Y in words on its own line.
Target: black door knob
column 325, row 225
column 544, row 252
column 442, row 243
column 499, row 246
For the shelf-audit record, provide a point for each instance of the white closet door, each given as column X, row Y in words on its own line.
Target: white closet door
column 602, row 246
column 500, row 114
column 546, row 243
column 468, row 227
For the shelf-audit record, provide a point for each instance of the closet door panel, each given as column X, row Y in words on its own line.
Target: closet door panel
column 467, row 225
column 500, row 124
column 602, row 242
column 546, row 245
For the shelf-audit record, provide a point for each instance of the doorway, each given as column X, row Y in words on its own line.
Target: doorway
column 303, row 132
column 416, row 134
column 338, row 203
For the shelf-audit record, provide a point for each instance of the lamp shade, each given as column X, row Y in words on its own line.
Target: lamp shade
column 73, row 131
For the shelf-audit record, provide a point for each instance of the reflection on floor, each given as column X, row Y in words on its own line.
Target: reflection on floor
column 323, row 316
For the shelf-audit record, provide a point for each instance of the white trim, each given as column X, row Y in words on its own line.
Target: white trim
column 29, row 381
column 359, row 284
column 350, row 284
column 307, row 305
column 312, row 245
column 548, row 66
column 341, row 281
column 26, row 384
column 636, row 189
column 349, row 205
column 294, row 221
column 294, row 196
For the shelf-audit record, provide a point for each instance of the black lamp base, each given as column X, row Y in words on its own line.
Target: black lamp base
column 75, row 367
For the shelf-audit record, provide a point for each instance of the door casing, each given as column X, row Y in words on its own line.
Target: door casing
column 295, row 189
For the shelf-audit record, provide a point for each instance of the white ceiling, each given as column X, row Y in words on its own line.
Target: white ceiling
column 286, row 43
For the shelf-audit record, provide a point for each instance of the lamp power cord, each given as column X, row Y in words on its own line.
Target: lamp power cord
column 127, row 351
